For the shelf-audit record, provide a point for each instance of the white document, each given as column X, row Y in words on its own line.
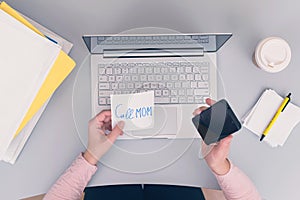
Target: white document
column 262, row 113
column 18, row 143
column 66, row 46
column 136, row 110
column 25, row 61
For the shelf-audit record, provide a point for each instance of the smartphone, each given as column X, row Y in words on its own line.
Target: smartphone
column 216, row 122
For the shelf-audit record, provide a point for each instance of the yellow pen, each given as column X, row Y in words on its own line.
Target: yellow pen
column 284, row 103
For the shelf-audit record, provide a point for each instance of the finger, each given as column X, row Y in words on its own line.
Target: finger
column 225, row 143
column 209, row 101
column 108, row 126
column 107, row 119
column 199, row 110
column 116, row 131
column 103, row 115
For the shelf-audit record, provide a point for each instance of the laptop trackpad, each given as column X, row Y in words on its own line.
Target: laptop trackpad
column 165, row 124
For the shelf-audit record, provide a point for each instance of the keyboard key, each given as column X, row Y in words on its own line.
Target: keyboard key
column 102, row 78
column 202, row 84
column 181, row 92
column 194, row 84
column 205, row 77
column 146, row 85
column 141, row 70
column 143, row 78
column 102, row 101
column 204, row 70
column 164, row 70
column 158, row 77
column 161, row 85
column 122, row 85
column 182, row 99
column 190, row 99
column 127, row 78
column 169, row 85
column 135, row 78
column 150, row 77
column 105, row 93
column 166, row 77
column 198, row 99
column 119, row 78
column 189, row 92
column 130, row 85
column 117, row 71
column 157, row 93
column 103, row 86
column 108, row 101
column 109, row 71
column 180, row 70
column 188, row 70
column 114, row 86
column 111, row 79
column 149, row 70
column 201, row 92
column 101, row 70
column 166, row 93
column 198, row 77
column 186, row 84
column 133, row 70
column 138, row 85
column 161, row 100
column 174, row 100
column 153, row 85
column 174, row 93
column 174, row 77
column 190, row 77
column 182, row 77
column 125, row 70
column 177, row 84
column 196, row 70
column 156, row 70
column 172, row 69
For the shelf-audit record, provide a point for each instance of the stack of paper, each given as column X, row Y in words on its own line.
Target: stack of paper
column 262, row 113
column 32, row 66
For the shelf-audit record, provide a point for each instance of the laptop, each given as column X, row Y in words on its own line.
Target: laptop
column 181, row 69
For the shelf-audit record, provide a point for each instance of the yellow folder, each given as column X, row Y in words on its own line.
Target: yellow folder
column 61, row 68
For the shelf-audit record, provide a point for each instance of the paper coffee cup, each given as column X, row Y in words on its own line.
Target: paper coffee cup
column 272, row 54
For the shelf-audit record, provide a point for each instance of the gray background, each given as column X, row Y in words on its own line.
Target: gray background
column 55, row 142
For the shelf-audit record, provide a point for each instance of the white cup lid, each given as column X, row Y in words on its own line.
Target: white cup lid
column 273, row 54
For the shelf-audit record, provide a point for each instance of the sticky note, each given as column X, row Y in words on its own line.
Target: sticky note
column 136, row 110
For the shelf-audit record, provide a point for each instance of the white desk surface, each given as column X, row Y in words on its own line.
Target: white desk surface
column 55, row 142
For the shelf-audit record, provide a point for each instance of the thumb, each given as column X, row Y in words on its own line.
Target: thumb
column 225, row 143
column 116, row 131
column 209, row 101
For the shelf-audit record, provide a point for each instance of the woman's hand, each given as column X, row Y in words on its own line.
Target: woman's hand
column 216, row 158
column 98, row 141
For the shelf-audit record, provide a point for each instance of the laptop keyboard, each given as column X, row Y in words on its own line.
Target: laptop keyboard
column 172, row 82
column 154, row 40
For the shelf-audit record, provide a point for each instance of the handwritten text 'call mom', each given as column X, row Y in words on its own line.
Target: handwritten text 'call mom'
column 132, row 113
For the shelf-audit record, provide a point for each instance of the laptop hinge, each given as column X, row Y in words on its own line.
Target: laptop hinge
column 176, row 52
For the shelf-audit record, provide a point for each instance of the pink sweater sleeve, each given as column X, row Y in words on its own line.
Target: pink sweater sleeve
column 72, row 183
column 237, row 186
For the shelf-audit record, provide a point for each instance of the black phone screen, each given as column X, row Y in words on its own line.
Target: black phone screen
column 216, row 122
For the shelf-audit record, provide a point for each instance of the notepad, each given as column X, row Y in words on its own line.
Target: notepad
column 25, row 61
column 261, row 114
column 136, row 110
